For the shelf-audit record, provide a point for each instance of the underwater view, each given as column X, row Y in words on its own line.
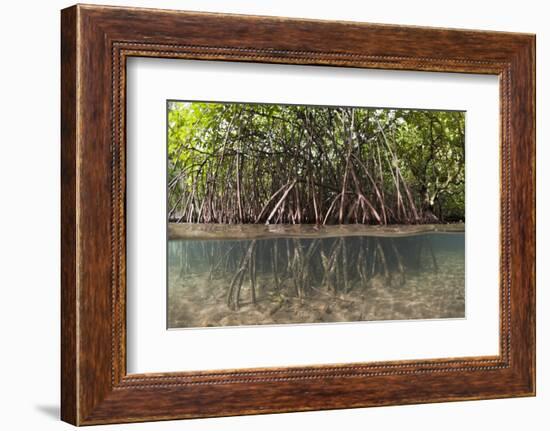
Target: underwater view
column 302, row 214
column 276, row 279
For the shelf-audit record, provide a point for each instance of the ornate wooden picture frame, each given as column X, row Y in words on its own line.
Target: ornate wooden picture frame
column 96, row 41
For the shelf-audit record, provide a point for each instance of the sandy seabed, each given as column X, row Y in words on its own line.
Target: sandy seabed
column 196, row 300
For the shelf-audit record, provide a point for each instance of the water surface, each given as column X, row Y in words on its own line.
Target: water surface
column 332, row 276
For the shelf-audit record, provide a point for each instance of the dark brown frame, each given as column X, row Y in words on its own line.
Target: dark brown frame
column 95, row 43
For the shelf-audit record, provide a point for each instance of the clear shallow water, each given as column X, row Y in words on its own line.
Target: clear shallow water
column 234, row 282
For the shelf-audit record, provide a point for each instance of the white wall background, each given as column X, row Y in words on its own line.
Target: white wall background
column 29, row 215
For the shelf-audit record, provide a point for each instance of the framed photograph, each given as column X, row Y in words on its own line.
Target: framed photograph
column 264, row 215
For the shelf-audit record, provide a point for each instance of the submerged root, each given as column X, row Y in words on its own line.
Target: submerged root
column 400, row 267
column 299, row 268
column 383, row 260
column 329, row 266
column 432, row 254
column 234, row 292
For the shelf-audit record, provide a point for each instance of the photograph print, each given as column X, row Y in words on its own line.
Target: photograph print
column 299, row 214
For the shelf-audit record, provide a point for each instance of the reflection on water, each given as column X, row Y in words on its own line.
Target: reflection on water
column 307, row 280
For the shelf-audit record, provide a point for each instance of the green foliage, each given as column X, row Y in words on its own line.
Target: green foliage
column 247, row 163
